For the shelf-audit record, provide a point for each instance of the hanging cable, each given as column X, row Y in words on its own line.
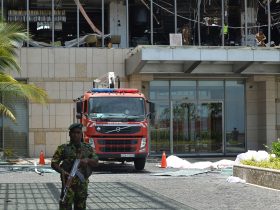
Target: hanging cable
column 202, row 23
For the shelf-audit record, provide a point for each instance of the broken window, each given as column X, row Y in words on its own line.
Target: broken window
column 201, row 22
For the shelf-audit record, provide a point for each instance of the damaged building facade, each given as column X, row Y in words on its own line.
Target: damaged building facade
column 216, row 94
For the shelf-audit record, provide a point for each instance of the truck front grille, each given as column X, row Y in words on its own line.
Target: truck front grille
column 117, row 149
column 118, row 129
column 117, row 145
column 117, row 142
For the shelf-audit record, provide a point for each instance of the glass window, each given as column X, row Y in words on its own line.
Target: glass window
column 160, row 127
column 278, row 106
column 205, row 125
column 183, row 90
column 210, row 90
column 278, row 87
column 14, row 135
column 65, row 21
column 278, row 114
column 131, row 108
column 234, row 116
column 159, row 90
column 1, row 131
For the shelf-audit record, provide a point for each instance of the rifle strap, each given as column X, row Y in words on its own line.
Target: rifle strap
column 63, row 177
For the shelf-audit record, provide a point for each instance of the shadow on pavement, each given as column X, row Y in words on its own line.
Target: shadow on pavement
column 117, row 168
column 109, row 195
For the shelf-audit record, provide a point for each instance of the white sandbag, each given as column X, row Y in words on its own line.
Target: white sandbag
column 223, row 164
column 272, row 156
column 234, row 179
column 201, row 165
column 261, row 155
column 252, row 155
column 245, row 156
column 176, row 162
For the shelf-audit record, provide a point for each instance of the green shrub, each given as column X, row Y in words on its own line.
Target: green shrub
column 8, row 153
column 275, row 148
column 273, row 163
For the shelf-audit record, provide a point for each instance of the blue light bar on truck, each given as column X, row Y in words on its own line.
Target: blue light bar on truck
column 102, row 90
column 113, row 90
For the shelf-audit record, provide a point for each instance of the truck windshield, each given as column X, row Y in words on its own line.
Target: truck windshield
column 117, row 108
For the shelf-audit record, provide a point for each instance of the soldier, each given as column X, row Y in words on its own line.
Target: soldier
column 62, row 162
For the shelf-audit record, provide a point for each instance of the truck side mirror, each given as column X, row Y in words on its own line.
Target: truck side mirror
column 79, row 115
column 151, row 107
column 79, row 107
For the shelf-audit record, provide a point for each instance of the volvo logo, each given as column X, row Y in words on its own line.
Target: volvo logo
column 118, row 129
column 98, row 128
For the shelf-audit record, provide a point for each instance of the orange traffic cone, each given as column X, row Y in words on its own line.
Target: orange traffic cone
column 163, row 160
column 42, row 158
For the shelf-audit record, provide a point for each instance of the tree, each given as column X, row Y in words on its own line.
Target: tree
column 11, row 39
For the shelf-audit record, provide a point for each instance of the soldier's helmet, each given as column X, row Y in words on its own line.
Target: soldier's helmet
column 75, row 125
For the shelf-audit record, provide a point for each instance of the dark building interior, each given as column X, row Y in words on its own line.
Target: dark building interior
column 189, row 13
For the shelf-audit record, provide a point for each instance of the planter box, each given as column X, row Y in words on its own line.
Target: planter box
column 258, row 176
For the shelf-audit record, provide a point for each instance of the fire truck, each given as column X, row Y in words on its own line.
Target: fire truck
column 115, row 121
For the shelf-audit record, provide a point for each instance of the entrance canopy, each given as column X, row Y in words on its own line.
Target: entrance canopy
column 203, row 60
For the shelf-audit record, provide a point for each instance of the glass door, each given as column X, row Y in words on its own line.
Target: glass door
column 209, row 127
column 184, row 118
column 160, row 128
column 197, row 128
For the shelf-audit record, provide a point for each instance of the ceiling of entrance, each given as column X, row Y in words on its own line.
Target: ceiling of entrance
column 203, row 60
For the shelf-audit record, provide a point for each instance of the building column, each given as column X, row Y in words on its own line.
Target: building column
column 140, row 82
column 118, row 27
column 261, row 112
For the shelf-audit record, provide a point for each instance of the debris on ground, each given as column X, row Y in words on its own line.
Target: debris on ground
column 185, row 172
column 24, row 161
column 176, row 162
column 252, row 155
column 24, row 168
column 24, row 164
column 234, row 179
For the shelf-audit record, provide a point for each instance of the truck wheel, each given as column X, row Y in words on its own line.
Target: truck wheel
column 139, row 163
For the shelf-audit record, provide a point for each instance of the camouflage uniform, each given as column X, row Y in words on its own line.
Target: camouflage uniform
column 65, row 155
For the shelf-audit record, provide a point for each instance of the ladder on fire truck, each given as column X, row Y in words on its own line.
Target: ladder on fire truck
column 107, row 81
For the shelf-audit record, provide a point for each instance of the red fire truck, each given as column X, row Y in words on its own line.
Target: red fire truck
column 115, row 122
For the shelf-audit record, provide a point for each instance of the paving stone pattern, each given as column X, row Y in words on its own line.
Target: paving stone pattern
column 102, row 195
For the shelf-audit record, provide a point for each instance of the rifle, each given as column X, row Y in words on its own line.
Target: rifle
column 74, row 172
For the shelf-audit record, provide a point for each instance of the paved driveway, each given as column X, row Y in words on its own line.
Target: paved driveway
column 117, row 186
column 102, row 195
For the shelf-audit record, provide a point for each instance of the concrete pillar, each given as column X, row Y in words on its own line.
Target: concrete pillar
column 140, row 82
column 117, row 14
column 271, row 94
column 252, row 114
column 261, row 111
